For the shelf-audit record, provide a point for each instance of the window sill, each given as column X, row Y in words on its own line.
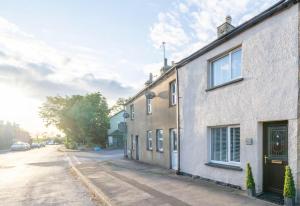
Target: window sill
column 228, row 167
column 159, row 151
column 225, row 84
column 150, row 150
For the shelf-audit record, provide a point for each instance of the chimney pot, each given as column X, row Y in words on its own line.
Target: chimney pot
column 228, row 19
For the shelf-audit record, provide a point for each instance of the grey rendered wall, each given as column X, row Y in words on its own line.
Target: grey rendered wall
column 268, row 92
column 163, row 117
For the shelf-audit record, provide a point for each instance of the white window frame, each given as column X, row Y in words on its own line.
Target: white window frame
column 149, row 137
column 229, row 162
column 149, row 105
column 173, row 94
column 230, row 62
column 132, row 111
column 157, row 140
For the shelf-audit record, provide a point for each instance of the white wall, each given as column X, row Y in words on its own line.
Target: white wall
column 267, row 93
column 114, row 121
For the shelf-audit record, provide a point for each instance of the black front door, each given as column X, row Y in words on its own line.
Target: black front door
column 275, row 155
column 137, row 147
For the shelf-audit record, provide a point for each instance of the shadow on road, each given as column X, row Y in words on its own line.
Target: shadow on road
column 48, row 164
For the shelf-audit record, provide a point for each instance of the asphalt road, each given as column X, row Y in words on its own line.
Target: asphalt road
column 40, row 177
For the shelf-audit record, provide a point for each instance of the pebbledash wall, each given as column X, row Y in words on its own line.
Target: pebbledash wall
column 163, row 117
column 268, row 92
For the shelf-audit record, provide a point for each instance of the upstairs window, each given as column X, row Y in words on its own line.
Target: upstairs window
column 149, row 140
column 226, row 68
column 173, row 94
column 149, row 105
column 132, row 112
column 159, row 140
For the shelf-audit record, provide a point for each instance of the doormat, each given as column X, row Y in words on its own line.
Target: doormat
column 272, row 197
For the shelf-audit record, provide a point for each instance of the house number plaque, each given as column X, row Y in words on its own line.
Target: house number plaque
column 249, row 141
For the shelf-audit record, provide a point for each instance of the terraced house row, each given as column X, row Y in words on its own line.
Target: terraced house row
column 234, row 101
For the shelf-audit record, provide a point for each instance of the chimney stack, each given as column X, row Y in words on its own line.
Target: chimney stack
column 225, row 27
column 166, row 67
column 150, row 80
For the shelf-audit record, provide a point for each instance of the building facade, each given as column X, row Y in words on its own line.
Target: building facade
column 151, row 122
column 239, row 103
column 115, row 137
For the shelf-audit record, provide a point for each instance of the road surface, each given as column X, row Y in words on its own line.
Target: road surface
column 40, row 177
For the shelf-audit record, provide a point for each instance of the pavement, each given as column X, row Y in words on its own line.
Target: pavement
column 126, row 182
column 40, row 177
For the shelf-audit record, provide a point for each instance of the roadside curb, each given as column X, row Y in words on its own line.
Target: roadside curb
column 93, row 188
column 63, row 149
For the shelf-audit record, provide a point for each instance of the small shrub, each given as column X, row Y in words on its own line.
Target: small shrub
column 249, row 177
column 289, row 190
column 70, row 145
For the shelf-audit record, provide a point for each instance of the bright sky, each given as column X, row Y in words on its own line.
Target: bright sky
column 70, row 47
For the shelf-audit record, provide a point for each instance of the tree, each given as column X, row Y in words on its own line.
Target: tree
column 118, row 106
column 83, row 119
column 289, row 190
column 249, row 177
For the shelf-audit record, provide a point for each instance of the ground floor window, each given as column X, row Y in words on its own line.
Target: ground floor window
column 225, row 144
column 149, row 140
column 159, row 140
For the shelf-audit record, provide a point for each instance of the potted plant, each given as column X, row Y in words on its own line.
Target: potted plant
column 250, row 181
column 289, row 190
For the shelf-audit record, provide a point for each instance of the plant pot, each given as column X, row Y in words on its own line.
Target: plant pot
column 289, row 201
column 251, row 192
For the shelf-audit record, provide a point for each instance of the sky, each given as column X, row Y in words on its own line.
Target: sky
column 65, row 47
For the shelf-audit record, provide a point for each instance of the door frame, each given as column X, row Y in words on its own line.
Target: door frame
column 264, row 135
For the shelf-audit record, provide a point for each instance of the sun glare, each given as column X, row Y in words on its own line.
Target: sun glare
column 15, row 106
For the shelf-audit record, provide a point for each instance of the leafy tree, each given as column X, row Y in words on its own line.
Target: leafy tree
column 118, row 106
column 83, row 119
column 249, row 177
column 289, row 190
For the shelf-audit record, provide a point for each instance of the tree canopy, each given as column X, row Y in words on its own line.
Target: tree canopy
column 118, row 106
column 83, row 119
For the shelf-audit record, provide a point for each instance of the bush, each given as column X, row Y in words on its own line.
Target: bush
column 70, row 145
column 250, row 184
column 289, row 186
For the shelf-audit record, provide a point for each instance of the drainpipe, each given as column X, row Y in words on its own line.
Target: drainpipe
column 178, row 122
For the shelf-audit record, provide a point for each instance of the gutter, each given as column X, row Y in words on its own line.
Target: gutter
column 178, row 172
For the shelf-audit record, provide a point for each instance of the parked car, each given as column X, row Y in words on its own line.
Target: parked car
column 18, row 146
column 42, row 144
column 35, row 145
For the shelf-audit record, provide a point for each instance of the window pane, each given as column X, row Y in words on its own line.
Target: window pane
column 224, row 151
column 215, row 144
column 221, row 71
column 235, row 144
column 236, row 64
column 159, row 139
column 173, row 93
column 219, row 144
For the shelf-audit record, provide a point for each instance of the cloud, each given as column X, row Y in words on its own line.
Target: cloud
column 168, row 29
column 39, row 69
column 190, row 24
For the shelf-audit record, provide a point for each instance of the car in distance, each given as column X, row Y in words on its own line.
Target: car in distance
column 35, row 145
column 19, row 146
